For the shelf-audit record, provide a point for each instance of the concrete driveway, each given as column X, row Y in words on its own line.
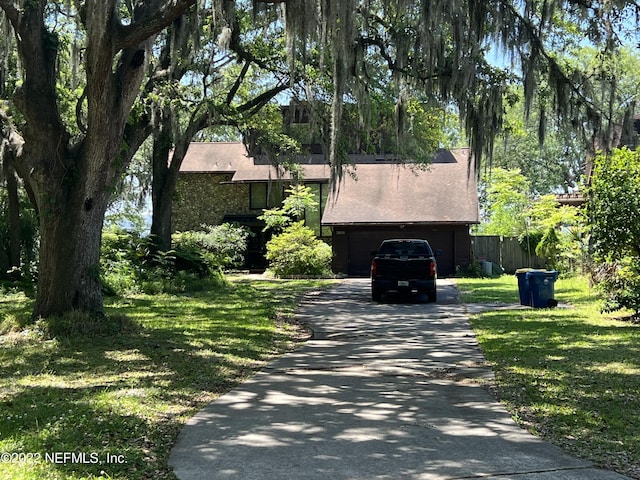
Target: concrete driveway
column 383, row 391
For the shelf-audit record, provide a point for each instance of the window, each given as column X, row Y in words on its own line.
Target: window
column 258, row 196
column 265, row 195
column 312, row 219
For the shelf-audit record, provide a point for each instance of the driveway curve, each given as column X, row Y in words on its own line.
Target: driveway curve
column 382, row 391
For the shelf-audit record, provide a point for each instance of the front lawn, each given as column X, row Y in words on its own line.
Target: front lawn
column 111, row 406
column 570, row 375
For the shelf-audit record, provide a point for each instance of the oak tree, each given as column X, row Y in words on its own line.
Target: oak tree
column 73, row 170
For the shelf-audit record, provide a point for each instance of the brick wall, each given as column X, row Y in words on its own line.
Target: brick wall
column 205, row 198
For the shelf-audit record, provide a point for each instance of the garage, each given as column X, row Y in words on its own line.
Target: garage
column 438, row 203
column 352, row 245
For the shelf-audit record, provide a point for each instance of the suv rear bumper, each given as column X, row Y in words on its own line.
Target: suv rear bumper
column 386, row 285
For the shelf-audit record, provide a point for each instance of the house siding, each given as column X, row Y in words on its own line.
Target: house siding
column 205, row 198
column 352, row 245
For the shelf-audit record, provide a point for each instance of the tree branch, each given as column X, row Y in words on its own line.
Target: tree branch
column 554, row 66
column 261, row 100
column 139, row 31
column 11, row 11
column 36, row 97
column 236, row 46
column 236, row 85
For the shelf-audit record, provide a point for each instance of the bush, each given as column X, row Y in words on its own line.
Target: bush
column 549, row 248
column 297, row 251
column 473, row 270
column 219, row 246
column 620, row 283
column 613, row 208
column 123, row 258
column 130, row 263
column 529, row 241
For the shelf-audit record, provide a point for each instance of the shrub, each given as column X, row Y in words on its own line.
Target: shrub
column 219, row 246
column 122, row 258
column 613, row 208
column 620, row 283
column 297, row 251
column 299, row 200
column 549, row 247
column 130, row 263
column 529, row 241
column 473, row 270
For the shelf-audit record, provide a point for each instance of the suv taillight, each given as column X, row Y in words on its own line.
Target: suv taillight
column 433, row 269
column 374, row 268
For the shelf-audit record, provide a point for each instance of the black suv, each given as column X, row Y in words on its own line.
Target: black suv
column 404, row 265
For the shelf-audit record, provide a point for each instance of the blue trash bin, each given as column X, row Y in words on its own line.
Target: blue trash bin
column 523, row 286
column 542, row 288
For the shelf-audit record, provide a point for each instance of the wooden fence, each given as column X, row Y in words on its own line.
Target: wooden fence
column 505, row 251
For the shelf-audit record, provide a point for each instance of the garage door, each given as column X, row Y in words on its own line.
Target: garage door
column 362, row 242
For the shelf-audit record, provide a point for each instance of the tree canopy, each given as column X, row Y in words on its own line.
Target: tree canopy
column 442, row 47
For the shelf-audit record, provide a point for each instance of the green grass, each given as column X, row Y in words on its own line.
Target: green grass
column 127, row 395
column 570, row 375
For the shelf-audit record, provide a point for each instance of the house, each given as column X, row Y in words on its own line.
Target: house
column 377, row 198
column 390, row 200
column 219, row 182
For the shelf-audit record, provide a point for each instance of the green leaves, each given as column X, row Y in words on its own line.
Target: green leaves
column 614, row 204
column 510, row 209
column 613, row 210
column 297, row 251
column 506, row 202
column 299, row 199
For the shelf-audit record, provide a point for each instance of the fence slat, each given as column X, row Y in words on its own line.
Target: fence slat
column 505, row 251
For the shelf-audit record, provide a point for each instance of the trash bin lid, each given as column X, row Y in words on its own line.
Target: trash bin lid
column 543, row 273
column 524, row 270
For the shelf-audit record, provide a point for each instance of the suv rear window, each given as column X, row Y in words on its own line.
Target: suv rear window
column 405, row 248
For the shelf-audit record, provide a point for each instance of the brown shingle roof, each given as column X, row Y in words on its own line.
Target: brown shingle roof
column 218, row 157
column 393, row 193
column 232, row 157
column 379, row 192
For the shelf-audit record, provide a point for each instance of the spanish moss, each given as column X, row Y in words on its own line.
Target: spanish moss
column 440, row 48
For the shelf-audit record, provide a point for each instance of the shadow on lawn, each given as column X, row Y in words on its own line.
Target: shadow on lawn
column 127, row 394
column 556, row 370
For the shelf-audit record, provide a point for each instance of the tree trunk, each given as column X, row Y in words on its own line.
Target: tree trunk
column 161, row 226
column 72, row 176
column 162, row 190
column 166, row 168
column 10, row 146
column 69, row 270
